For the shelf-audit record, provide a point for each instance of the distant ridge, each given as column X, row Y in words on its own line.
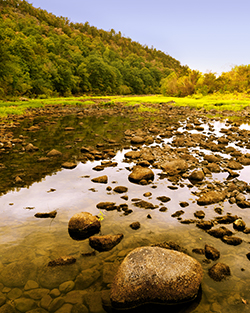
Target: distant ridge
column 42, row 55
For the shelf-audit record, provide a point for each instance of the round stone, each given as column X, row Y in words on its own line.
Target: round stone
column 153, row 275
column 83, row 225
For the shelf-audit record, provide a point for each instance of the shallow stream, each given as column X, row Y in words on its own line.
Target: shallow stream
column 29, row 243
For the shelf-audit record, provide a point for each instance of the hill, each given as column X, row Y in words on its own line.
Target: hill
column 42, row 55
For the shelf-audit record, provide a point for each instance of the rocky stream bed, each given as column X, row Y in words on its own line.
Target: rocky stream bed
column 172, row 178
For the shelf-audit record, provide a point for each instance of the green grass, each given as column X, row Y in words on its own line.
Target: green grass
column 218, row 102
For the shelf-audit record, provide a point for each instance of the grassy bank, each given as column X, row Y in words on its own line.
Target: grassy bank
column 219, row 102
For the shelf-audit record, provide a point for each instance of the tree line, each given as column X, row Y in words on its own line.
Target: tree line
column 42, row 55
column 237, row 80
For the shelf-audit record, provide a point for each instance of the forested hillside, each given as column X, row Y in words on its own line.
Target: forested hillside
column 42, row 55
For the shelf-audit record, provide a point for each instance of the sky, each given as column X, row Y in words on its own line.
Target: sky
column 207, row 35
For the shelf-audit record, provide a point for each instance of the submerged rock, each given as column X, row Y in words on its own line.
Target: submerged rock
column 105, row 243
column 155, row 275
column 219, row 271
column 64, row 260
column 211, row 253
column 83, row 225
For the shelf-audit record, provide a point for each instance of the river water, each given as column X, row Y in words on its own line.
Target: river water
column 29, row 243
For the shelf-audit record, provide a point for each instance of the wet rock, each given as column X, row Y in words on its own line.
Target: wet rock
column 7, row 308
column 105, row 243
column 140, row 173
column 163, row 199
column 220, row 232
column 109, row 206
column 239, row 224
column 24, row 304
column 197, row 175
column 243, row 204
column 199, row 214
column 211, row 253
column 211, row 158
column 219, row 271
column 83, row 225
column 153, row 274
column 51, row 214
column 54, row 153
column 205, row 225
column 17, row 274
column 137, row 140
column 213, row 167
column 226, row 219
column 120, row 189
column 31, row 148
column 231, row 240
column 147, row 194
column 244, row 160
column 198, row 251
column 144, row 204
column 178, row 213
column 133, row 154
column 184, row 204
column 69, row 165
column 53, row 276
column 211, row 197
column 233, row 165
column 63, row 260
column 175, row 167
column 135, row 225
column 101, row 179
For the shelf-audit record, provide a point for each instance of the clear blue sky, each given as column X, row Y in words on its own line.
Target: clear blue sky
column 206, row 35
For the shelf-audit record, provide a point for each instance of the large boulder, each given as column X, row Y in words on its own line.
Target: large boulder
column 155, row 275
column 140, row 173
column 83, row 225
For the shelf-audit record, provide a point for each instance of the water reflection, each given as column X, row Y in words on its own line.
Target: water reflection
column 30, row 243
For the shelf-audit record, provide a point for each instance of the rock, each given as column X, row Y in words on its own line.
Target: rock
column 211, row 158
column 205, row 225
column 199, row 214
column 184, row 204
column 213, row 167
column 135, row 225
column 226, row 219
column 7, row 308
column 133, row 154
column 233, row 165
column 211, row 253
column 83, row 225
column 86, row 278
column 63, row 260
column 53, row 276
column 155, row 275
column 51, row 214
column 239, row 224
column 211, row 197
column 24, row 304
column 54, row 153
column 197, row 175
column 101, row 179
column 230, row 240
column 69, row 165
column 163, row 199
column 67, row 286
column 178, row 213
column 175, row 167
column 17, row 274
column 120, row 189
column 105, row 243
column 109, row 206
column 219, row 271
column 140, row 173
column 31, row 148
column 137, row 140
column 144, row 204
column 220, row 232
